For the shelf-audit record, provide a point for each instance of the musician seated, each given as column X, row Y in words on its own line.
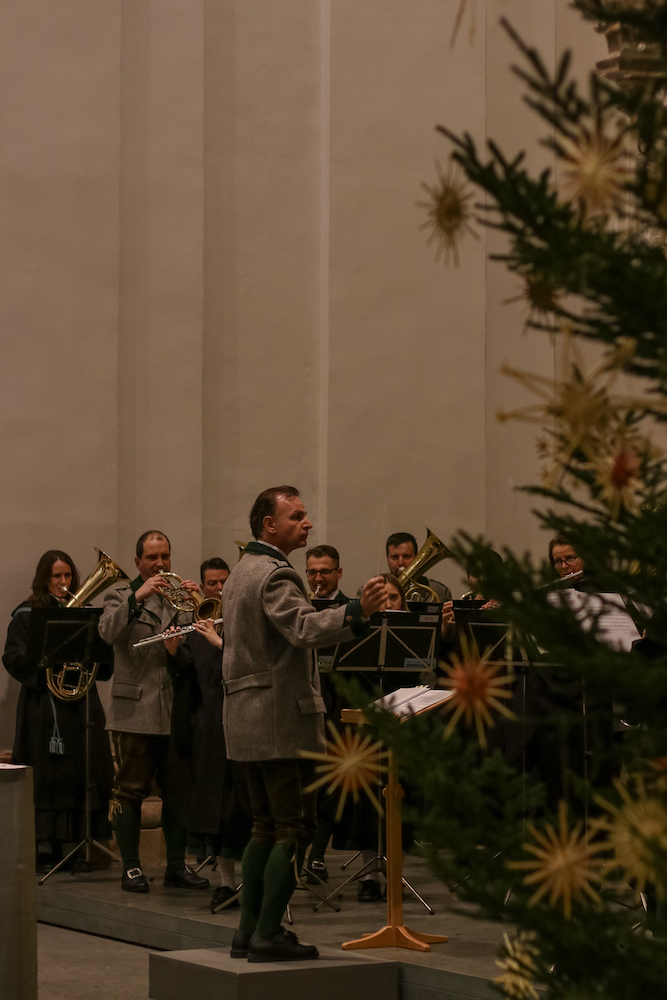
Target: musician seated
column 401, row 552
column 474, row 593
column 323, row 571
column 564, row 558
column 395, row 594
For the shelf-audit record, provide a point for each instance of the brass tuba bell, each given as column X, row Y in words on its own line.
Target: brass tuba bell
column 72, row 680
column 430, row 554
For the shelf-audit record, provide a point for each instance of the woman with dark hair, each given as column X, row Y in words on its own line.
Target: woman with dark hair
column 50, row 733
column 395, row 593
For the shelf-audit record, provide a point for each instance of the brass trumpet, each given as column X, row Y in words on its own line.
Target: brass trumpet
column 183, row 599
column 432, row 552
column 71, row 681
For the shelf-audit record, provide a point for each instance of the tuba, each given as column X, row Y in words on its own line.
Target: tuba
column 430, row 554
column 73, row 680
column 183, row 599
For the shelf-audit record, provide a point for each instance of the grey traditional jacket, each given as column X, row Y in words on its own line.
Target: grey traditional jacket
column 273, row 705
column 141, row 692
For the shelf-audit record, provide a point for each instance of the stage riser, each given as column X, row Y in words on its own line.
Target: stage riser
column 127, row 923
column 213, row 975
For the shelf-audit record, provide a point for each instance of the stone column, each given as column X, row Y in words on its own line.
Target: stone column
column 18, row 904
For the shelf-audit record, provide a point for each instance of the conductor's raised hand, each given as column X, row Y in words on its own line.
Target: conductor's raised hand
column 373, row 596
column 153, row 585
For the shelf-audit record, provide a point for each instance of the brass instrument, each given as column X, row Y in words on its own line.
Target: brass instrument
column 183, row 599
column 242, row 546
column 170, row 635
column 71, row 681
column 432, row 552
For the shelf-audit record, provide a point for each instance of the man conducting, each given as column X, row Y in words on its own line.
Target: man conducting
column 273, row 708
column 140, row 712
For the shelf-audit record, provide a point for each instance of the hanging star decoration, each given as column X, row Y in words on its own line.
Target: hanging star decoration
column 637, row 833
column 449, row 213
column 618, row 473
column 586, row 428
column 351, row 762
column 519, row 966
column 539, row 297
column 564, row 864
column 595, row 176
column 477, row 689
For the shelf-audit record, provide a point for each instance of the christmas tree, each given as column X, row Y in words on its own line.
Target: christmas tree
column 546, row 788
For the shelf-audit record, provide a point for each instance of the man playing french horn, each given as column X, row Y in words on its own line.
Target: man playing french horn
column 140, row 711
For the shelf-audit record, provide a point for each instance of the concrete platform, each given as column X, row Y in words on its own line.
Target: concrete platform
column 173, row 919
column 213, row 975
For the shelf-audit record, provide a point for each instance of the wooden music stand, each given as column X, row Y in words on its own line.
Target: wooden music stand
column 394, row 934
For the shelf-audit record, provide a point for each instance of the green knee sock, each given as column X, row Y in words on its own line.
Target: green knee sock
column 253, row 864
column 279, row 884
column 126, row 825
column 174, row 839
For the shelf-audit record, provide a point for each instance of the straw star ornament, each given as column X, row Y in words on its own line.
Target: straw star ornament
column 564, row 864
column 449, row 214
column 637, row 835
column 518, row 966
column 352, row 762
column 477, row 691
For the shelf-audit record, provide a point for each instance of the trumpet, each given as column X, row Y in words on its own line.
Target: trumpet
column 170, row 635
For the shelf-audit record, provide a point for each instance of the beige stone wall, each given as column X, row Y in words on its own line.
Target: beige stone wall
column 213, row 277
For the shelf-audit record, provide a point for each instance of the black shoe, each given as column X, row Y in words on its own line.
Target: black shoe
column 316, row 871
column 369, row 891
column 184, row 878
column 240, row 945
column 134, row 880
column 287, row 949
column 224, row 896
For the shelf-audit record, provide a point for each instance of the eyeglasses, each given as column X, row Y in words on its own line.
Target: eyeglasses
column 324, row 573
column 566, row 561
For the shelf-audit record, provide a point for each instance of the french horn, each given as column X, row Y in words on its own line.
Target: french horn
column 72, row 681
column 183, row 599
column 430, row 554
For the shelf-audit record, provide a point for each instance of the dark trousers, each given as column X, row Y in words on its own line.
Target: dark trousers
column 284, row 821
column 283, row 812
column 140, row 758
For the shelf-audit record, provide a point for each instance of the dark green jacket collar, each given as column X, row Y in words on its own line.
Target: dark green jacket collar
column 260, row 549
column 134, row 586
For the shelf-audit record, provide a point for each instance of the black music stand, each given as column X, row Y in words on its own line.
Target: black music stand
column 70, row 635
column 398, row 642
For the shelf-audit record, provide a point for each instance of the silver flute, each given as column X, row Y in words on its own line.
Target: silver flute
column 171, row 635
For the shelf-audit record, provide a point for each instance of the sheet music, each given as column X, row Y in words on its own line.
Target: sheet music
column 411, row 701
column 604, row 612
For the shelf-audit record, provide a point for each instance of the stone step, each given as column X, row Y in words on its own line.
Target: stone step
column 210, row 974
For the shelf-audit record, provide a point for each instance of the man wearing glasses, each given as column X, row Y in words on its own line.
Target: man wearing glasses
column 563, row 558
column 324, row 573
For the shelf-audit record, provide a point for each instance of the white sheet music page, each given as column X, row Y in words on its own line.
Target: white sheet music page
column 411, row 701
column 607, row 612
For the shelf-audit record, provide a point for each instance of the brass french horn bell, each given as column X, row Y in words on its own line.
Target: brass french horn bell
column 183, row 599
column 71, row 681
column 430, row 554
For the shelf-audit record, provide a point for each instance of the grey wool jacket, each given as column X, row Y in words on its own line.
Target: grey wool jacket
column 273, row 705
column 141, row 691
